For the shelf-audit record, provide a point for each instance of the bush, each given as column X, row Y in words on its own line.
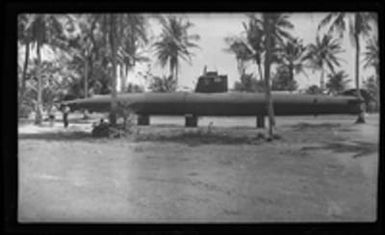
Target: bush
column 314, row 90
column 24, row 111
column 101, row 130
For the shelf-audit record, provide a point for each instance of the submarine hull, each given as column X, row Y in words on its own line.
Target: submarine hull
column 221, row 104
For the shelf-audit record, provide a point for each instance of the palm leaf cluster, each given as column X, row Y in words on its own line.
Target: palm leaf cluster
column 356, row 25
column 323, row 55
column 175, row 43
column 337, row 82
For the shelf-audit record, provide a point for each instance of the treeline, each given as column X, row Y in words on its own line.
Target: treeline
column 93, row 53
column 292, row 57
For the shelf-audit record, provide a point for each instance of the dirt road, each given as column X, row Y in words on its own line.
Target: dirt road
column 323, row 169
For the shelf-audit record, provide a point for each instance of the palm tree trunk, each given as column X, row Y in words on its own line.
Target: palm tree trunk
column 291, row 72
column 23, row 77
column 361, row 115
column 260, row 71
column 85, row 114
column 38, row 117
column 268, row 97
column 85, row 77
column 114, row 73
column 322, row 81
column 176, row 73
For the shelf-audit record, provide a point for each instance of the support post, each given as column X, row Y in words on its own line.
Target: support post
column 260, row 121
column 143, row 120
column 191, row 120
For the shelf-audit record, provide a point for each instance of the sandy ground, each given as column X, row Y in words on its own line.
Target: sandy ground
column 322, row 169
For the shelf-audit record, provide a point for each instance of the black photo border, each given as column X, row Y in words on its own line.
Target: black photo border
column 9, row 148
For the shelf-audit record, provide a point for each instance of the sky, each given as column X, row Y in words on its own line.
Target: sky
column 213, row 28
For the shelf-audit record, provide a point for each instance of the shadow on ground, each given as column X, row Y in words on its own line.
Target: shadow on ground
column 201, row 138
column 58, row 136
column 360, row 148
column 191, row 138
column 305, row 126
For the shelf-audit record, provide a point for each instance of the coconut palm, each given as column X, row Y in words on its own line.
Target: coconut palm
column 243, row 53
column 292, row 57
column 268, row 31
column 24, row 37
column 44, row 29
column 323, row 56
column 337, row 82
column 254, row 40
column 372, row 58
column 175, row 43
column 359, row 26
column 133, row 38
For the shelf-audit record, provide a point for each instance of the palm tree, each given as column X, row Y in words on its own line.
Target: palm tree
column 133, row 37
column 243, row 53
column 337, row 82
column 24, row 37
column 323, row 55
column 273, row 29
column 107, row 39
column 359, row 26
column 174, row 43
column 292, row 57
column 254, row 40
column 117, row 37
column 372, row 58
column 45, row 29
column 81, row 43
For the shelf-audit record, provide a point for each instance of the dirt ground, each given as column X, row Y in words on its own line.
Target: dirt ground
column 322, row 169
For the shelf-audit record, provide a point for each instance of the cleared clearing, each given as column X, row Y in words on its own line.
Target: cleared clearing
column 322, row 169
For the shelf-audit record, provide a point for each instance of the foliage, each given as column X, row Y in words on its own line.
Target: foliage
column 249, row 83
column 133, row 88
column 372, row 58
column 313, row 90
column 372, row 87
column 337, row 82
column 283, row 81
column 323, row 55
column 174, row 43
column 291, row 57
column 162, row 84
column 358, row 26
column 243, row 53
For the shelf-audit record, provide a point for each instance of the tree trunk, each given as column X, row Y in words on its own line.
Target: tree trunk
column 24, row 74
column 260, row 71
column 85, row 113
column 268, row 96
column 322, row 81
column 176, row 74
column 361, row 115
column 38, row 117
column 85, row 77
column 114, row 73
column 123, row 78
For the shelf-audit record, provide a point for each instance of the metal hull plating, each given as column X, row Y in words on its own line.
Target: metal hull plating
column 221, row 104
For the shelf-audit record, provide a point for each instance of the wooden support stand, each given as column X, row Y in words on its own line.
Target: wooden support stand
column 260, row 121
column 191, row 120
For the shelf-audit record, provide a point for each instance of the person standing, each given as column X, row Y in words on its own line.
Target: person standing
column 52, row 115
column 66, row 111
